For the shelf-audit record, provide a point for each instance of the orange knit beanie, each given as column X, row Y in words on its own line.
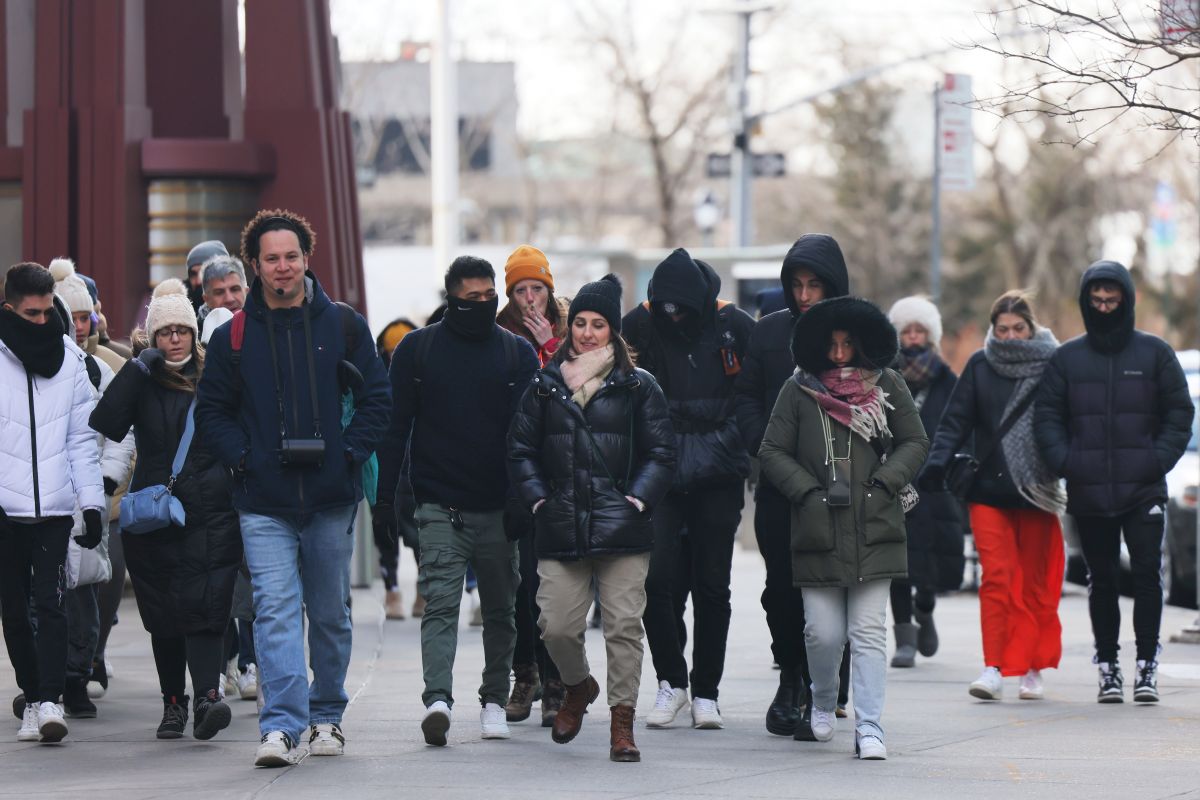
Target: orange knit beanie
column 524, row 263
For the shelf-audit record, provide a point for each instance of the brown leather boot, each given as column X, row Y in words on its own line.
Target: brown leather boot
column 552, row 700
column 526, row 687
column 569, row 719
column 621, row 735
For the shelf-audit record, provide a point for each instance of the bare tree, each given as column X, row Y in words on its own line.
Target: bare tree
column 1092, row 62
column 674, row 106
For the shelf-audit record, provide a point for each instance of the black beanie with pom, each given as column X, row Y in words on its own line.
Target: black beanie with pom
column 603, row 297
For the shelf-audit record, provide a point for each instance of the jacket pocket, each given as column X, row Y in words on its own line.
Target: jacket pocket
column 883, row 519
column 812, row 524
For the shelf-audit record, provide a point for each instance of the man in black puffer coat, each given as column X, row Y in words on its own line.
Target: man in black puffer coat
column 693, row 345
column 813, row 270
column 1113, row 415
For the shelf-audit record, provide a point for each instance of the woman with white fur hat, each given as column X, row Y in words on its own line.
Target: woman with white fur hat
column 183, row 577
column 936, row 526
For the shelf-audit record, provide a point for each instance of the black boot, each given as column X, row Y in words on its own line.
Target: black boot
column 75, row 699
column 175, row 716
column 803, row 732
column 211, row 715
column 927, row 636
column 785, row 708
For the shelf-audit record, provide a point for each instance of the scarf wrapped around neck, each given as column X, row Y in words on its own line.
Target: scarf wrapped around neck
column 585, row 373
column 917, row 365
column 1024, row 360
column 852, row 396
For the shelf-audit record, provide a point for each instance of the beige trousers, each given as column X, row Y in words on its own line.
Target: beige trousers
column 565, row 597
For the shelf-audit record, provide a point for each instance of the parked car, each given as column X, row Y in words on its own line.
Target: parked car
column 1179, row 541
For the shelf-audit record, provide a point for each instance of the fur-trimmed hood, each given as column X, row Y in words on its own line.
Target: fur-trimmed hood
column 874, row 335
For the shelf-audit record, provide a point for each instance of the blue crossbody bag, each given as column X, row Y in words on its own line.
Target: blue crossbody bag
column 155, row 507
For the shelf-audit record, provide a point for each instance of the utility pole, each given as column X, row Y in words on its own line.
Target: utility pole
column 935, row 245
column 443, row 157
column 741, row 166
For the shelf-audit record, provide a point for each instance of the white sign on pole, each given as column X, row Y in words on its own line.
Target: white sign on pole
column 1179, row 20
column 956, row 140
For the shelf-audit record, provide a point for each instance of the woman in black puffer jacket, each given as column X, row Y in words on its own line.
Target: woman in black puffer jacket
column 592, row 452
column 183, row 578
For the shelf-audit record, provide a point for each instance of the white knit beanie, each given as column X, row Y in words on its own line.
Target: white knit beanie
column 170, row 309
column 170, row 286
column 70, row 286
column 920, row 310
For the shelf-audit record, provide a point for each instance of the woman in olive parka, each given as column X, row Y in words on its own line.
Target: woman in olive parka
column 843, row 443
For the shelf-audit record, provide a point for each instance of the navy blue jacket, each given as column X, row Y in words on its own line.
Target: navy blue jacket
column 238, row 414
column 1113, row 412
column 453, row 423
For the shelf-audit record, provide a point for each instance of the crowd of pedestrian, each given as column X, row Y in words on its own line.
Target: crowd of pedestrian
column 555, row 454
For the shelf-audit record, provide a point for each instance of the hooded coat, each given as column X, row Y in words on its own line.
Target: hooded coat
column 768, row 362
column 844, row 547
column 552, row 457
column 183, row 577
column 696, row 362
column 1113, row 413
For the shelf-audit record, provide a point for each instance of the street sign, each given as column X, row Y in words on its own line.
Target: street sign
column 1179, row 20
column 766, row 165
column 956, row 140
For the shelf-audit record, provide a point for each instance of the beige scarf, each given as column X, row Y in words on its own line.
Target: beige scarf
column 585, row 373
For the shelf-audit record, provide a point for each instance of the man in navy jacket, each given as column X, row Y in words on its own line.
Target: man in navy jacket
column 270, row 404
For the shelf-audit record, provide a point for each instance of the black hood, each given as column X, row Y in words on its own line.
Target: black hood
column 820, row 254
column 873, row 333
column 683, row 280
column 1109, row 332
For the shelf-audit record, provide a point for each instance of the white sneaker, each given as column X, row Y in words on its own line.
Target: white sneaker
column 869, row 747
column 988, row 685
column 436, row 723
column 276, row 750
column 229, row 682
column 493, row 723
column 705, row 714
column 326, row 739
column 51, row 724
column 29, row 725
column 667, row 704
column 1031, row 686
column 823, row 723
column 247, row 683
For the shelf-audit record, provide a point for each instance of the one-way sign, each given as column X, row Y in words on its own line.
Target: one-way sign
column 766, row 165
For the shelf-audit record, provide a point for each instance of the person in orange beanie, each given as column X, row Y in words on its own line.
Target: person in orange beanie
column 533, row 311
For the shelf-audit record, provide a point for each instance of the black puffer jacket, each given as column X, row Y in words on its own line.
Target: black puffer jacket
column 1113, row 414
column 183, row 577
column 768, row 361
column 551, row 457
column 936, row 527
column 696, row 363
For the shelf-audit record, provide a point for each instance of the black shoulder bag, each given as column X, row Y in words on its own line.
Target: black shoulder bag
column 960, row 474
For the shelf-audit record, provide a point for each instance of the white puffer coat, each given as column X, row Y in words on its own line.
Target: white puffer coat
column 49, row 460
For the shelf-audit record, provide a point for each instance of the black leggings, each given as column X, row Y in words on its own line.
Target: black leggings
column 110, row 593
column 530, row 647
column 203, row 654
column 902, row 601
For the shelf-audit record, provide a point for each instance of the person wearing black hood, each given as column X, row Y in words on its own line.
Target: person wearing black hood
column 813, row 270
column 693, row 344
column 456, row 385
column 1113, row 415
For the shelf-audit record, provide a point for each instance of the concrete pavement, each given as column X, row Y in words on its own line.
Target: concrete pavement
column 942, row 743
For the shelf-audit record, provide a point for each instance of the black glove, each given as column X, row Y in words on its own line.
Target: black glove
column 92, row 529
column 151, row 359
column 110, row 487
column 385, row 527
column 932, row 478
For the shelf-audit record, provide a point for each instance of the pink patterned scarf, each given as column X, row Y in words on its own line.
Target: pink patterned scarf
column 852, row 396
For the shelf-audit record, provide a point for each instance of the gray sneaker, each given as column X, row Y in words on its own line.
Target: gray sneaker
column 1145, row 689
column 1112, row 683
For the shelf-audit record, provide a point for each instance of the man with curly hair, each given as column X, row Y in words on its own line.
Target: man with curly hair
column 270, row 402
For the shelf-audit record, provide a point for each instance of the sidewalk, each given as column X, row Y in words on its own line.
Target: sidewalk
column 942, row 743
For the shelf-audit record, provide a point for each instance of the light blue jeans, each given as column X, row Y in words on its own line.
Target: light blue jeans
column 858, row 614
column 301, row 564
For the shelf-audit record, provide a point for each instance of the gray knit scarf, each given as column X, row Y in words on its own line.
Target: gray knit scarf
column 1024, row 360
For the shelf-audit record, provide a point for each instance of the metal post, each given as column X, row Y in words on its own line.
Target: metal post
column 741, row 168
column 935, row 245
column 443, row 157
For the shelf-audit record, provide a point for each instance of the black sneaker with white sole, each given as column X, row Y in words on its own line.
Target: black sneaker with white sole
column 211, row 716
column 174, row 719
column 1145, row 689
column 1112, row 683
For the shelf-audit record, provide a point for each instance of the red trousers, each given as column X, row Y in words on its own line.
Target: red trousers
column 1021, row 554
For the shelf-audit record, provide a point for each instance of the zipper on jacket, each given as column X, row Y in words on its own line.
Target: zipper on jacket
column 37, row 494
column 295, row 408
column 1108, row 418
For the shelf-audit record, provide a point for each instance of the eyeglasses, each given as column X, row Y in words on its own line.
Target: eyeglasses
column 173, row 333
column 1105, row 302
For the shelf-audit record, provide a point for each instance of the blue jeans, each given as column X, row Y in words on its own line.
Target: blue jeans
column 301, row 564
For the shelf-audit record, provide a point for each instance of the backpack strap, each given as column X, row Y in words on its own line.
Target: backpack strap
column 512, row 357
column 424, row 343
column 93, row 371
column 237, row 333
column 348, row 317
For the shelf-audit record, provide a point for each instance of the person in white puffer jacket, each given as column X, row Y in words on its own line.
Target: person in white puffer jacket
column 49, row 463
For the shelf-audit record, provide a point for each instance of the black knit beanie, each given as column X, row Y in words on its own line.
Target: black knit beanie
column 603, row 297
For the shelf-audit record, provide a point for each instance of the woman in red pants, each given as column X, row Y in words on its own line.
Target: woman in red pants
column 1013, row 498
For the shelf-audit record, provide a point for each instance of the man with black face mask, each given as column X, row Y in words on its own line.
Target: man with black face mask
column 1113, row 415
column 49, row 462
column 455, row 387
column 693, row 344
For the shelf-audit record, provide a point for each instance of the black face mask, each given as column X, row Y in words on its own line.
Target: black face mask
column 471, row 319
column 40, row 348
column 196, row 295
